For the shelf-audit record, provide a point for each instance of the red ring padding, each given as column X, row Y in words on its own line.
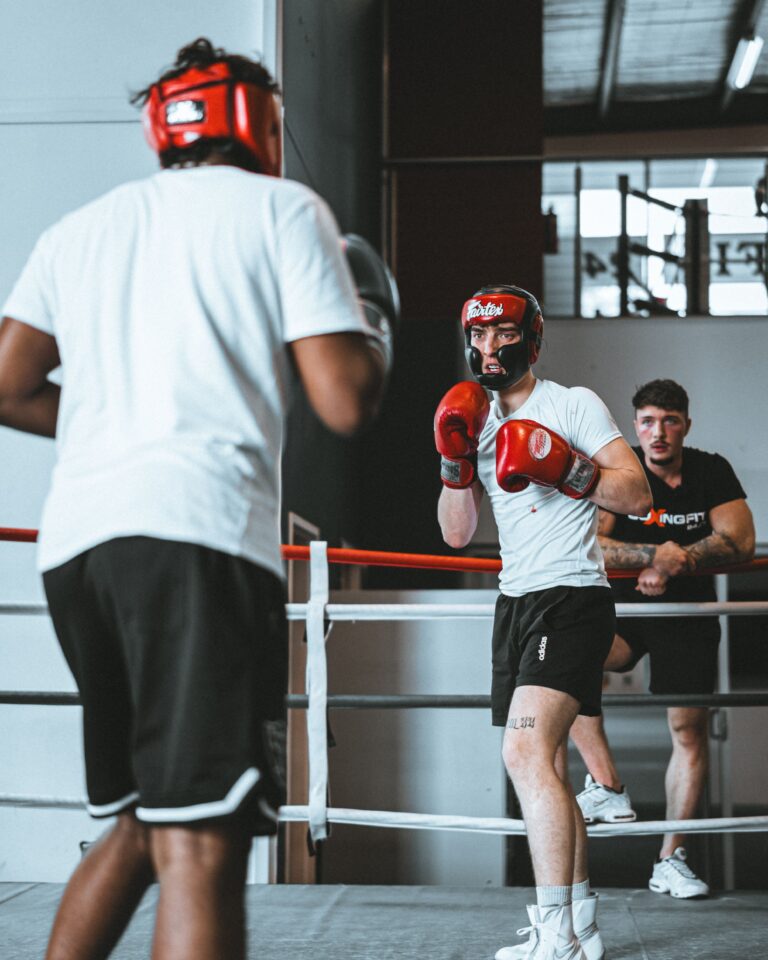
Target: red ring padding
column 418, row 561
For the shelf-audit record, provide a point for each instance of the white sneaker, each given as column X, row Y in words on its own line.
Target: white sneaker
column 672, row 875
column 551, row 937
column 599, row 803
column 584, row 928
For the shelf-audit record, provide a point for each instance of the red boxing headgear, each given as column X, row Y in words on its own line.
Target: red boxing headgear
column 209, row 103
column 496, row 304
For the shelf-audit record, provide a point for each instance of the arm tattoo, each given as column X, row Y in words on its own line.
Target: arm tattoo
column 520, row 723
column 621, row 556
column 714, row 549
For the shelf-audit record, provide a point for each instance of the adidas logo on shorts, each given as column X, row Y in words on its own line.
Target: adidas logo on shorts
column 542, row 648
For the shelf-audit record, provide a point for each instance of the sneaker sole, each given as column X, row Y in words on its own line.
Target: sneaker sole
column 658, row 888
column 612, row 818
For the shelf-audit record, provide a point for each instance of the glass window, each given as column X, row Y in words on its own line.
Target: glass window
column 737, row 232
column 733, row 188
column 600, row 229
column 559, row 201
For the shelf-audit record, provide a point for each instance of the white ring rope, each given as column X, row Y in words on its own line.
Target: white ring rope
column 500, row 826
column 339, row 612
column 48, row 803
column 504, row 826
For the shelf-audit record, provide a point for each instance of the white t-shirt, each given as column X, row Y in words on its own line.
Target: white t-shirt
column 171, row 300
column 546, row 538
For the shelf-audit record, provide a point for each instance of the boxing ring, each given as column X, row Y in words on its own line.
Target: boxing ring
column 493, row 912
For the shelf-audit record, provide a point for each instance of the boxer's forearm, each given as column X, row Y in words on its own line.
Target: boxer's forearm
column 716, row 549
column 457, row 514
column 36, row 413
column 622, row 487
column 619, row 555
column 732, row 539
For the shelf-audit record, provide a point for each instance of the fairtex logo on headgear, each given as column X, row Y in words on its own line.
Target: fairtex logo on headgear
column 476, row 308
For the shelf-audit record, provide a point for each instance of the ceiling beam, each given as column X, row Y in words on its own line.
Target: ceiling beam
column 625, row 117
column 614, row 21
column 744, row 24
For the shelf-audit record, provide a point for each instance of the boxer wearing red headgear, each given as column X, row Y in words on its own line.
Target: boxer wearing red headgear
column 214, row 104
column 495, row 305
column 546, row 455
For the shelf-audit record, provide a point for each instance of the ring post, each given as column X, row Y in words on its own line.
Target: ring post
column 723, row 743
column 317, row 690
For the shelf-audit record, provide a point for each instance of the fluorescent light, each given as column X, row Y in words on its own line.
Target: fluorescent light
column 744, row 62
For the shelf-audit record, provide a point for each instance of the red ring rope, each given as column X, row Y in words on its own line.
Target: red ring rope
column 21, row 536
column 417, row 561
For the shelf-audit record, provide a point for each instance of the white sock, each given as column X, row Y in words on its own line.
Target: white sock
column 580, row 891
column 553, row 896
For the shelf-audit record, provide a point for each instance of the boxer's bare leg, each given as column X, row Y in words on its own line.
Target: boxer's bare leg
column 580, row 865
column 588, row 733
column 535, row 736
column 103, row 893
column 687, row 770
column 201, row 909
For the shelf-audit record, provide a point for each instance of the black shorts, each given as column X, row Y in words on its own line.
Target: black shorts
column 557, row 638
column 682, row 651
column 180, row 655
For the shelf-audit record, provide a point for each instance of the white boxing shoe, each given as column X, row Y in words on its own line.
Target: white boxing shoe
column 672, row 875
column 551, row 937
column 584, row 928
column 521, row 951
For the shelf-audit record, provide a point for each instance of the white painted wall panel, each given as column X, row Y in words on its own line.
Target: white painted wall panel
column 78, row 61
column 55, row 168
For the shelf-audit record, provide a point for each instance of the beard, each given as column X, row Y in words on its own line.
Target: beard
column 661, row 461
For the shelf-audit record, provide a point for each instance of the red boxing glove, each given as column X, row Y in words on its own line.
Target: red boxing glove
column 459, row 421
column 526, row 451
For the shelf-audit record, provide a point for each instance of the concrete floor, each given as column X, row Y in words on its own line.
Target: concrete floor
column 423, row 923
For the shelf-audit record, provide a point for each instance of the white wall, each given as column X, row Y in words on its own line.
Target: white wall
column 67, row 134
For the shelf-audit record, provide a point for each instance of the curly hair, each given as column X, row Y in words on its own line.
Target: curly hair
column 665, row 394
column 202, row 53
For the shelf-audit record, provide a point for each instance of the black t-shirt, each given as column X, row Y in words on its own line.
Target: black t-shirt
column 680, row 514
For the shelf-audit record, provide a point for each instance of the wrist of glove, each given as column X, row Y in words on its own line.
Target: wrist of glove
column 458, row 474
column 581, row 479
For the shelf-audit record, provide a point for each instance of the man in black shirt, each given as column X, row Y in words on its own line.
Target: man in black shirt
column 699, row 518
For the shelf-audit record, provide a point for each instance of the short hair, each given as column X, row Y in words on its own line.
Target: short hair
column 202, row 53
column 661, row 393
